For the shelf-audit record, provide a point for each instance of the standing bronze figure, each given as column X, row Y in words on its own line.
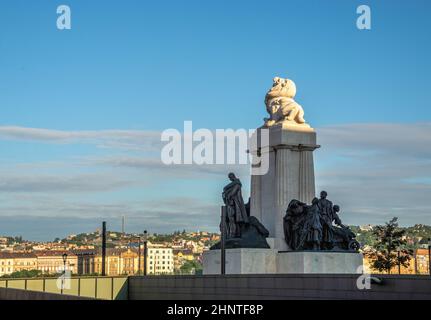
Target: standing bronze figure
column 326, row 217
column 236, row 211
column 241, row 229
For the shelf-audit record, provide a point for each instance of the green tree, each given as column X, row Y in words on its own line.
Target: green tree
column 24, row 274
column 390, row 247
column 190, row 267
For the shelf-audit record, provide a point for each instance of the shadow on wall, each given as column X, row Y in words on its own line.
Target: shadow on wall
column 19, row 294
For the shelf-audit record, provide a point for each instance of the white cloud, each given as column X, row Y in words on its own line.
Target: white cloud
column 374, row 171
column 402, row 140
column 377, row 171
column 65, row 183
column 180, row 170
column 121, row 139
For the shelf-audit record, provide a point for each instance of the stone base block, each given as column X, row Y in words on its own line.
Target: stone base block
column 319, row 262
column 270, row 261
column 241, row 261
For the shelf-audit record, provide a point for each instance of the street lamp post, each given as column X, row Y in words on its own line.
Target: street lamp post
column 399, row 262
column 104, row 248
column 222, row 241
column 429, row 256
column 145, row 251
column 139, row 255
column 64, row 272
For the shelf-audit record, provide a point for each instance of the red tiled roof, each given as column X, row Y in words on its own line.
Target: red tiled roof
column 51, row 253
column 16, row 255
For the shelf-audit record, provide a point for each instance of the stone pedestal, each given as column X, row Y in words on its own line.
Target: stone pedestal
column 269, row 261
column 319, row 262
column 241, row 261
column 290, row 176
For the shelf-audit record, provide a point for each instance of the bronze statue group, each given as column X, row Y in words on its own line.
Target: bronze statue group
column 306, row 227
column 317, row 226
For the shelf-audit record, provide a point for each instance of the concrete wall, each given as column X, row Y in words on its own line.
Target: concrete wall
column 107, row 288
column 260, row 287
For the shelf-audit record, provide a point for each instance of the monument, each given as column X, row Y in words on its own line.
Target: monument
column 290, row 156
column 283, row 228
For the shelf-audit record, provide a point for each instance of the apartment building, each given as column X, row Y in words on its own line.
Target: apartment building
column 6, row 263
column 24, row 261
column 125, row 261
column 160, row 260
column 85, row 259
column 422, row 261
column 51, row 262
column 112, row 262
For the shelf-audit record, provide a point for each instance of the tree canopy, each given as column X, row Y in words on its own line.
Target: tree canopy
column 390, row 247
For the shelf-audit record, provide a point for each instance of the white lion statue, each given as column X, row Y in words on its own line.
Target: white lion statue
column 280, row 104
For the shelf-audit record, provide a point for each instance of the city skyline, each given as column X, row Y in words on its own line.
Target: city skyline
column 82, row 109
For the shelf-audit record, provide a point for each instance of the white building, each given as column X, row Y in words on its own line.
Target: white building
column 160, row 260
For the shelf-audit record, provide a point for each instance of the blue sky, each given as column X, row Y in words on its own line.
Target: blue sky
column 129, row 69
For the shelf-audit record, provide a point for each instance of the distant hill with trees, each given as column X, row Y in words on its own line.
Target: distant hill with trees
column 416, row 236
